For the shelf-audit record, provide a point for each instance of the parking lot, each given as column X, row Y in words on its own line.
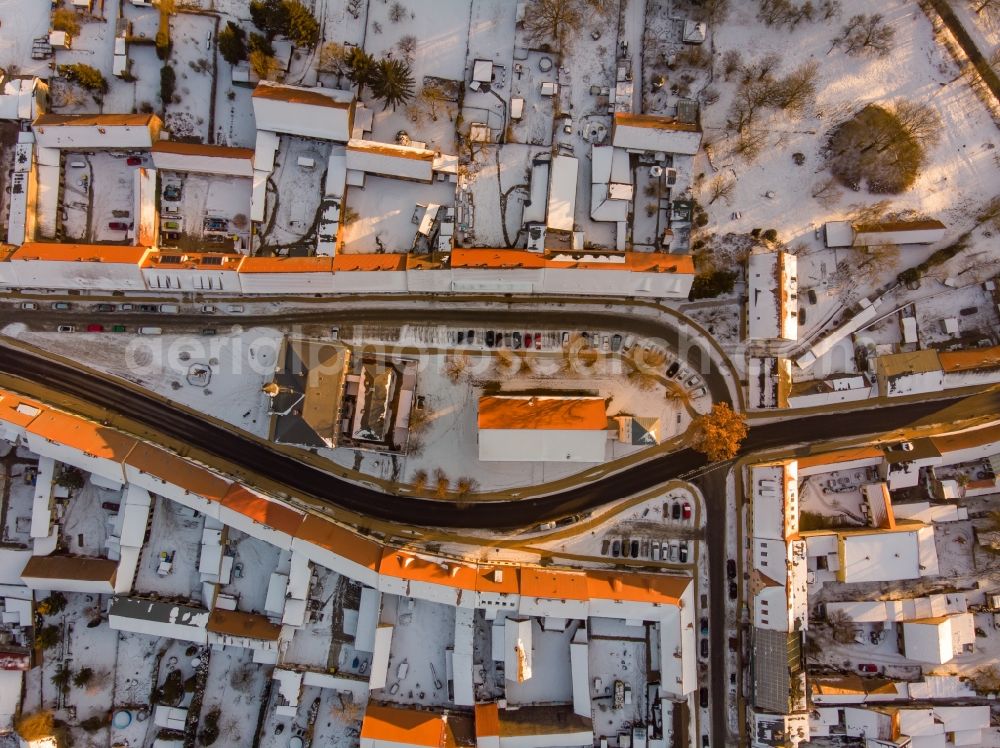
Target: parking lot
column 98, row 195
column 201, row 212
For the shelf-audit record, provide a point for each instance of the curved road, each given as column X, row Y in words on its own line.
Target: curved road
column 312, row 482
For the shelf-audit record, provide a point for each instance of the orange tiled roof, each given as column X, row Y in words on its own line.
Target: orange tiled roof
column 9, row 404
column 333, row 537
column 553, row 584
column 487, row 720
column 402, row 565
column 970, row 359
column 496, row 258
column 841, row 455
column 238, row 623
column 344, row 262
column 173, row 469
column 966, row 439
column 107, row 120
column 509, row 583
column 278, row 516
column 52, row 251
column 403, row 726
column 390, row 149
column 643, row 588
column 542, row 413
column 82, row 434
column 201, row 149
column 70, row 567
column 287, row 265
column 654, row 121
column 637, row 262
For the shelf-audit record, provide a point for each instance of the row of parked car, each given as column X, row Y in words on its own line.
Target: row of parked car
column 667, row 550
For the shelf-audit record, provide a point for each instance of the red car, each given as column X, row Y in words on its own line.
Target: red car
column 133, row 161
column 686, row 510
column 538, row 341
column 528, row 340
column 118, row 226
column 867, row 667
column 95, row 328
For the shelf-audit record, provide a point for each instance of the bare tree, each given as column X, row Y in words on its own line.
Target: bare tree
column 749, row 143
column 419, row 481
column 988, row 8
column 874, row 261
column 714, row 12
column 441, row 483
column 466, row 485
column 919, row 120
column 553, row 21
column 407, row 46
column 332, row 58
column 732, row 61
column 455, row 367
column 827, row 192
column 797, row 91
column 842, row 627
column 866, row 35
column 829, row 9
column 722, row 186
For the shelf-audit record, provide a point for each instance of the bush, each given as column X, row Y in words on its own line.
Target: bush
column 172, row 690
column 163, row 43
column 232, row 43
column 168, row 84
column 65, row 19
column 87, row 77
column 83, row 676
column 61, row 678
column 302, row 26
column 771, row 235
column 210, row 728
column 47, row 636
column 710, row 285
column 260, row 43
column 95, row 723
column 876, row 149
column 53, row 605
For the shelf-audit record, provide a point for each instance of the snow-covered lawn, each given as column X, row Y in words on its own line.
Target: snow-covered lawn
column 385, row 208
column 21, row 23
column 174, row 530
column 423, row 630
column 191, row 58
column 299, row 189
column 235, row 686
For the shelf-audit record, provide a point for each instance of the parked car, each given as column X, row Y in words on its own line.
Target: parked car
column 208, row 331
column 868, row 667
column 700, row 392
column 731, row 568
column 118, row 226
column 704, row 625
column 172, row 193
column 673, row 369
column 66, row 328
column 682, row 553
column 133, row 161
column 704, row 649
column 565, row 338
column 127, row 307
column 461, row 337
column 61, row 306
column 616, row 342
column 694, row 381
column 149, row 308
column 686, row 510
column 675, row 511
column 703, row 697
column 29, row 305
column 635, row 549
column 734, row 590
column 235, row 309
column 111, row 506
column 673, row 550
column 174, row 225
column 529, row 340
column 105, row 307
column 665, row 554
column 655, row 552
column 516, row 338
column 118, row 328
column 470, row 337
column 170, row 236
column 489, row 338
column 616, row 548
column 95, row 328
column 811, row 293
column 538, row 341
column 208, row 309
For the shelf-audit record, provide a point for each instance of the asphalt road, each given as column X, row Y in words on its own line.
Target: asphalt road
column 311, row 482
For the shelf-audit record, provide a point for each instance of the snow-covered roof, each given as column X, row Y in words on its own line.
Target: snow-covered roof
column 538, row 429
column 772, row 288
column 885, row 556
column 173, row 155
column 18, row 100
column 650, row 132
column 96, row 131
column 390, row 160
column 323, row 113
column 838, row 234
column 562, row 193
column 940, row 639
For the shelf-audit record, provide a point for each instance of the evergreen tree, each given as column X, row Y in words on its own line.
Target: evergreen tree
column 392, row 82
column 360, row 68
column 232, row 43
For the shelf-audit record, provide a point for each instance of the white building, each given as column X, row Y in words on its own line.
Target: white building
column 562, row 193
column 641, row 133
column 96, row 131
column 940, row 639
column 772, row 292
column 846, row 234
column 78, row 266
column 323, row 113
column 172, row 155
column 388, row 160
column 529, row 428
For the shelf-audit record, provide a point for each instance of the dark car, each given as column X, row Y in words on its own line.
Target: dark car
column 148, row 308
column 704, row 625
column 616, row 548
column 105, row 307
column 61, row 306
column 734, row 590
column 812, row 296
column 704, row 648
column 616, row 342
column 625, row 547
column 461, row 337
column 516, row 338
column 133, row 161
column 673, row 369
column 470, row 336
column 118, row 226
column 731, row 568
column 675, row 511
column 110, row 506
column 172, row 193
column 703, row 697
column 682, row 552
column 489, row 338
column 635, row 549
column 171, row 236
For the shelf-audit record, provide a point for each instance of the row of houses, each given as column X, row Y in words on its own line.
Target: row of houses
column 97, row 267
column 896, row 544
column 664, row 601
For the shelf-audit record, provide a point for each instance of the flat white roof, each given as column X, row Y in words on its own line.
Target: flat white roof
column 553, row 445
column 839, row 234
column 881, row 556
column 562, row 193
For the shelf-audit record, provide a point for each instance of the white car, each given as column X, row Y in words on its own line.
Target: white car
column 655, row 551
